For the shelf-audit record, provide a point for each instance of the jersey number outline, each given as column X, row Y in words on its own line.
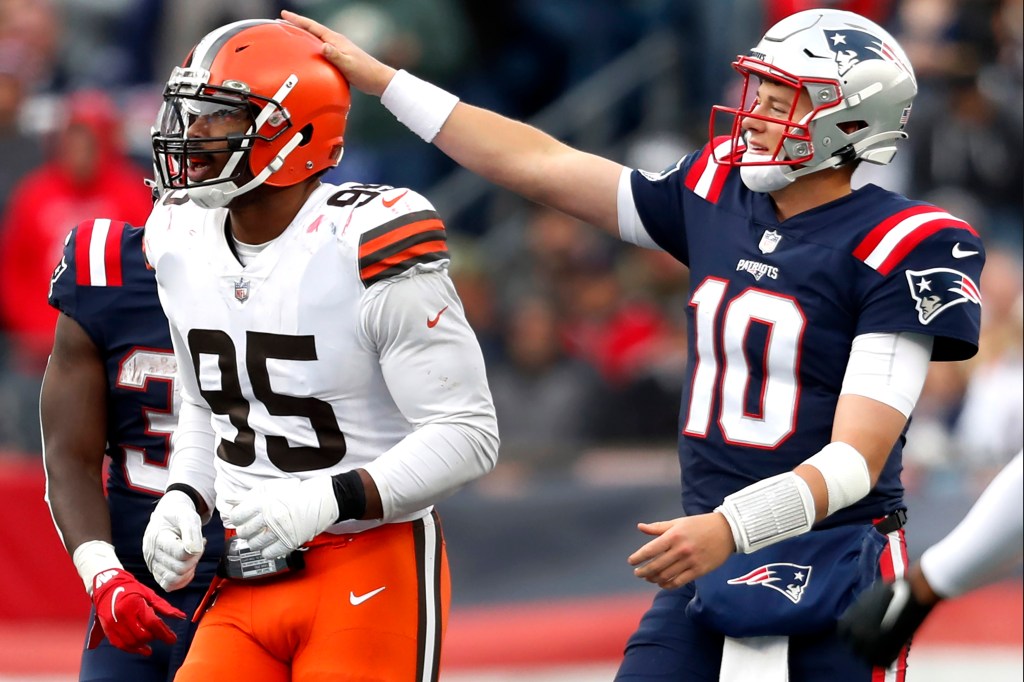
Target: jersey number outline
column 780, row 387
column 230, row 402
column 138, row 369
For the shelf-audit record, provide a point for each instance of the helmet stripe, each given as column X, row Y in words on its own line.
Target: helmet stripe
column 208, row 48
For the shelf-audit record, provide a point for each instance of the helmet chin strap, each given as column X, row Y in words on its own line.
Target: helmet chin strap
column 221, row 194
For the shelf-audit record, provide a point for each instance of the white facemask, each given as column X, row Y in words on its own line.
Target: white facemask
column 769, row 178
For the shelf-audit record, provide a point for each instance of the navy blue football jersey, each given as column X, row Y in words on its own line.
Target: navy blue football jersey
column 105, row 285
column 774, row 308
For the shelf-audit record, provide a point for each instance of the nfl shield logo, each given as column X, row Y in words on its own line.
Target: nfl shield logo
column 241, row 290
column 769, row 240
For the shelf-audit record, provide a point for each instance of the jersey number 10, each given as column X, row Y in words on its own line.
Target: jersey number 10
column 776, row 418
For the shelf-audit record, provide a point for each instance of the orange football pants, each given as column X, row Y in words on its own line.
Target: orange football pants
column 368, row 606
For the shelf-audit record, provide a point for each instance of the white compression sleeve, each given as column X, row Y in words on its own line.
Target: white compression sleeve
column 192, row 462
column 436, row 377
column 990, row 536
column 889, row 368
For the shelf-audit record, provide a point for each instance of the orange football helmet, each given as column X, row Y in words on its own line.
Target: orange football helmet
column 267, row 73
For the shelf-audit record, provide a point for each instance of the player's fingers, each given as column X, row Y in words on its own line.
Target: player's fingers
column 244, row 512
column 656, row 528
column 171, row 580
column 261, row 540
column 154, row 628
column 177, row 559
column 648, row 551
column 306, row 24
column 164, row 608
column 191, row 529
column 656, row 569
column 275, row 551
column 251, row 529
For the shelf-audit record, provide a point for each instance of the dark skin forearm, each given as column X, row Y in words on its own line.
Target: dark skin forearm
column 73, row 415
column 374, row 506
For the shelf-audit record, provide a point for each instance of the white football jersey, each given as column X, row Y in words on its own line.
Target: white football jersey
column 341, row 345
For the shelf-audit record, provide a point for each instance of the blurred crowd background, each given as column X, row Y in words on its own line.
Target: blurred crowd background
column 584, row 337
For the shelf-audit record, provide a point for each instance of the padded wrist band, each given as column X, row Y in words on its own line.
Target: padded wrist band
column 845, row 472
column 92, row 557
column 769, row 511
column 420, row 106
column 350, row 493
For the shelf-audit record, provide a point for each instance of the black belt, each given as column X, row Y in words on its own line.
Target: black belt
column 893, row 521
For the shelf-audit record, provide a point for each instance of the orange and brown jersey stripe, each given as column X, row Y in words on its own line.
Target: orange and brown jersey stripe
column 394, row 247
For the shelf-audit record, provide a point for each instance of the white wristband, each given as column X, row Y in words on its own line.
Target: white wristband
column 420, row 106
column 769, row 511
column 845, row 472
column 91, row 558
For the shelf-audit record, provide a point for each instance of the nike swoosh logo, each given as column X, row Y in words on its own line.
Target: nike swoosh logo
column 960, row 253
column 356, row 601
column 388, row 203
column 113, row 601
column 433, row 323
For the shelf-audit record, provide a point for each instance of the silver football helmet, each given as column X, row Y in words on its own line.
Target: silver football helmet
column 860, row 82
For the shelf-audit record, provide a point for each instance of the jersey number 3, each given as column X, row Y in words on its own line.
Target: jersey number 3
column 775, row 418
column 230, row 402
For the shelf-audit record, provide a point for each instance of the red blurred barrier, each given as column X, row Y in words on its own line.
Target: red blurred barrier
column 37, row 579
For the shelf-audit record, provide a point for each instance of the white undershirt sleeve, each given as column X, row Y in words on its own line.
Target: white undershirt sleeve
column 436, row 377
column 631, row 229
column 984, row 545
column 889, row 368
column 194, row 441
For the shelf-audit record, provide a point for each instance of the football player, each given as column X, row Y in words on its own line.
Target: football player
column 110, row 389
column 814, row 311
column 332, row 389
column 979, row 550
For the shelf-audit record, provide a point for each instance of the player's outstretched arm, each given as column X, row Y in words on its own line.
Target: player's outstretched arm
column 511, row 154
column 72, row 408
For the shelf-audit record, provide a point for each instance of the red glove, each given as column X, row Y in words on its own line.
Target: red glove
column 126, row 612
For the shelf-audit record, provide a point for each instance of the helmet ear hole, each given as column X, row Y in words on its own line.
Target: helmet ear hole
column 850, row 127
column 307, row 134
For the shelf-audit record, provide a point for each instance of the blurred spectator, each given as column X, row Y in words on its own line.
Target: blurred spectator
column 148, row 37
column 21, row 152
column 38, row 26
column 878, row 11
column 87, row 175
column 427, row 37
column 988, row 432
column 545, row 400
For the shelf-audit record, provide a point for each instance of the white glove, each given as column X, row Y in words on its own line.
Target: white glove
column 281, row 515
column 173, row 541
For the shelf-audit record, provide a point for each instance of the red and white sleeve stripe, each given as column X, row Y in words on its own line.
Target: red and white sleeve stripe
column 98, row 253
column 895, row 237
column 707, row 176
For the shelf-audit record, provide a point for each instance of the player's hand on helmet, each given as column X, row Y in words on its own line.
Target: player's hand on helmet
column 362, row 71
column 882, row 620
column 279, row 516
column 173, row 542
column 128, row 613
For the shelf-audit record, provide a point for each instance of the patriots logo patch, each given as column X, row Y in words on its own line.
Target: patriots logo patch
column 939, row 289
column 789, row 580
column 851, row 47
